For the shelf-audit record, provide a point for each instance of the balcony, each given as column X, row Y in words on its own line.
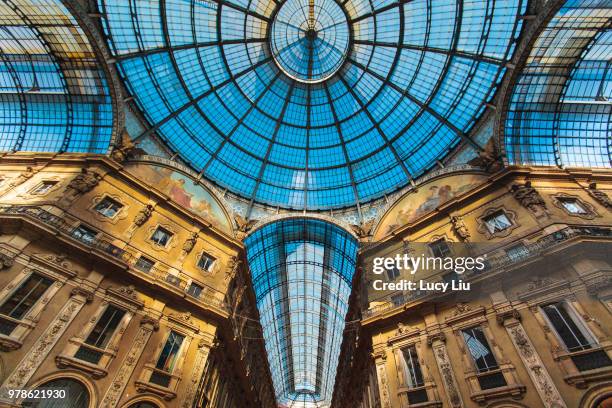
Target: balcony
column 496, row 261
column 160, row 273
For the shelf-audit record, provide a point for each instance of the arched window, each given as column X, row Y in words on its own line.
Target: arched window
column 77, row 395
column 144, row 404
column 604, row 402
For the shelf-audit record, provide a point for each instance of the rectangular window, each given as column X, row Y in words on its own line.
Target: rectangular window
column 44, row 187
column 440, row 248
column 100, row 335
column 574, row 337
column 22, row 300
column 412, row 369
column 572, row 205
column 170, row 352
column 496, row 222
column 144, row 264
column 479, row 348
column 205, row 262
column 517, row 252
column 161, row 236
column 84, row 234
column 392, row 273
column 195, row 290
column 108, row 207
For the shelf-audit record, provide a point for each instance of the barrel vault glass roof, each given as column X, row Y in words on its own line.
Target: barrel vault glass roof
column 560, row 111
column 311, row 104
column 53, row 95
column 302, row 271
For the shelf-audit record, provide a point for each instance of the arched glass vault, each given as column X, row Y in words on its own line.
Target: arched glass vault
column 312, row 104
column 53, row 93
column 560, row 111
column 302, row 271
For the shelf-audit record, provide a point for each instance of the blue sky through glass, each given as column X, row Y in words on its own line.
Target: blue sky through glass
column 414, row 78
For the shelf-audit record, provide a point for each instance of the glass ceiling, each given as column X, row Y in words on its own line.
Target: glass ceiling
column 302, row 271
column 560, row 111
column 53, row 95
column 312, row 104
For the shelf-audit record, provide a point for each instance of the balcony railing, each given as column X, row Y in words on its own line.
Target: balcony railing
column 496, row 262
column 208, row 295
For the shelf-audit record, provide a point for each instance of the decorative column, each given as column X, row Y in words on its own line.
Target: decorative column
column 39, row 351
column 196, row 373
column 380, row 358
column 437, row 342
column 147, row 326
column 544, row 384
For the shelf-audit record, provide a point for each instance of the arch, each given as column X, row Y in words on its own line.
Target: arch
column 506, row 404
column 145, row 401
column 56, row 95
column 185, row 188
column 594, row 396
column 427, row 196
column 558, row 110
column 66, row 379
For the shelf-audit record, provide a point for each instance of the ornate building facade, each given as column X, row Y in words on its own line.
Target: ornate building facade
column 197, row 199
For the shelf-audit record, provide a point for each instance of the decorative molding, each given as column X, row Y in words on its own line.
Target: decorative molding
column 116, row 388
column 448, row 377
column 41, row 348
column 482, row 226
column 127, row 294
column 82, row 183
column 589, row 214
column 600, row 196
column 383, row 386
column 185, row 320
column 403, row 332
column 196, row 374
column 530, row 198
column 460, row 228
column 6, row 260
column 465, row 314
column 544, row 289
column 537, row 370
column 120, row 215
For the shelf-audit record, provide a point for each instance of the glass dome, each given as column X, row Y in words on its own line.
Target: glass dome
column 312, row 104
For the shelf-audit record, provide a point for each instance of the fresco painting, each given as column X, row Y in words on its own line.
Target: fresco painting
column 427, row 198
column 183, row 191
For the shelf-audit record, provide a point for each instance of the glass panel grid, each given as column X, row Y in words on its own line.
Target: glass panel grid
column 290, row 110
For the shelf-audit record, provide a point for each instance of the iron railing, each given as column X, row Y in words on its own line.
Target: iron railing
column 208, row 295
column 495, row 262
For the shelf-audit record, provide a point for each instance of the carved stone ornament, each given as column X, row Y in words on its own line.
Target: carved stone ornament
column 114, row 392
column 537, row 370
column 190, row 243
column 143, row 215
column 196, row 374
column 232, row 267
column 459, row 227
column 23, row 177
column 600, row 196
column 383, row 385
column 488, row 158
column 243, row 225
column 448, row 378
column 39, row 351
column 461, row 308
column 185, row 319
column 528, row 197
column 84, row 182
column 6, row 261
column 364, row 229
column 126, row 149
column 80, row 291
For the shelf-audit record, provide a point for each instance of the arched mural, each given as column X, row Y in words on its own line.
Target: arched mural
column 424, row 199
column 184, row 190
